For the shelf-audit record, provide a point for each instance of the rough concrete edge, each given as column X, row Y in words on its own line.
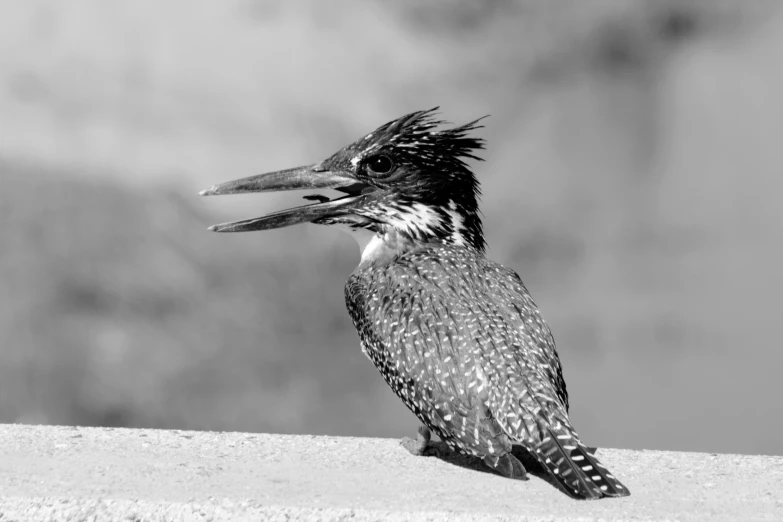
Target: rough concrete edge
column 61, row 508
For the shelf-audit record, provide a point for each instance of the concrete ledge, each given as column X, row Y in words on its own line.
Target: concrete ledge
column 50, row 472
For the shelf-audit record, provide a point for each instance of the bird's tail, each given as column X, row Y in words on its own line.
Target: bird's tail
column 578, row 472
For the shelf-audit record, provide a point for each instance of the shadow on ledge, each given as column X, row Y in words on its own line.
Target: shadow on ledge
column 532, row 465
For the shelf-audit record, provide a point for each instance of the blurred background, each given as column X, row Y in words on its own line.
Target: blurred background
column 632, row 178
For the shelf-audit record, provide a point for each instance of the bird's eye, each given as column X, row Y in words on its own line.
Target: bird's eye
column 380, row 165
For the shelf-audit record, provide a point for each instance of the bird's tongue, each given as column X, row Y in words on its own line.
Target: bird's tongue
column 354, row 189
column 317, row 197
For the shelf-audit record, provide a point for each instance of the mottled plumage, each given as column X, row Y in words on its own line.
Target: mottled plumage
column 456, row 336
column 461, row 342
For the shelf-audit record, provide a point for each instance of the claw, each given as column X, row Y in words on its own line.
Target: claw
column 421, row 446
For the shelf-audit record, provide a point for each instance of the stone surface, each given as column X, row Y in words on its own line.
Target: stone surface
column 50, row 472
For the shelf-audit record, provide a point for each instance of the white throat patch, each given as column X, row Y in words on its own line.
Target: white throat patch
column 417, row 218
column 405, row 224
column 369, row 241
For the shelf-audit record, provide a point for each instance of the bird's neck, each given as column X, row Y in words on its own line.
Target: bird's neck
column 384, row 246
column 450, row 221
column 392, row 228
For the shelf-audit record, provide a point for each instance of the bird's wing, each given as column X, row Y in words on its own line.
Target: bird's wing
column 535, row 398
column 520, row 310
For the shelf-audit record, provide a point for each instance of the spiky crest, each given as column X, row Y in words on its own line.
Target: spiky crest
column 433, row 194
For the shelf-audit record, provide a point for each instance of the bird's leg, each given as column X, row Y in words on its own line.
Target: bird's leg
column 507, row 465
column 421, row 446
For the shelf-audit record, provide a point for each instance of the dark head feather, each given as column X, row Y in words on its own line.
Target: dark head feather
column 429, row 170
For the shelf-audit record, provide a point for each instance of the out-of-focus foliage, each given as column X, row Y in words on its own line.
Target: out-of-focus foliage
column 632, row 173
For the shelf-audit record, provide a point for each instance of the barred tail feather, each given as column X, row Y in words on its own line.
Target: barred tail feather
column 578, row 472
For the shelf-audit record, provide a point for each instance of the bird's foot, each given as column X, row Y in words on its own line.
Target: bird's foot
column 507, row 465
column 420, row 447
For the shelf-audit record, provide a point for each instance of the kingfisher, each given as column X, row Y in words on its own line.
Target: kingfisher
column 456, row 336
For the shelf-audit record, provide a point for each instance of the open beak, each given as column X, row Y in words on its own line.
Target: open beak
column 307, row 177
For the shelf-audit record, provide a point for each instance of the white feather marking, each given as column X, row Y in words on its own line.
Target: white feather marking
column 416, row 220
column 456, row 224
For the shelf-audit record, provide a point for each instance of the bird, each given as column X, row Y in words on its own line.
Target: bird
column 455, row 335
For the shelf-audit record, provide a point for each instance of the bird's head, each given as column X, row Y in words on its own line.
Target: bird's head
column 406, row 176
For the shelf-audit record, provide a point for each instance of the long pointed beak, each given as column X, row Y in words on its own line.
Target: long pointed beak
column 306, row 177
